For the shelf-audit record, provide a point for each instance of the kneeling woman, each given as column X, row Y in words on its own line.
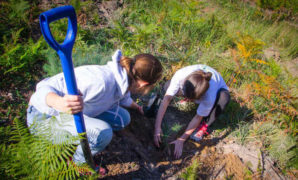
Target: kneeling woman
column 105, row 90
column 203, row 85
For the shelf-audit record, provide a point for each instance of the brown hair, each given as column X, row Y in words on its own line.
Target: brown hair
column 145, row 67
column 196, row 84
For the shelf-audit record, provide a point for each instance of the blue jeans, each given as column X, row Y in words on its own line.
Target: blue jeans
column 99, row 129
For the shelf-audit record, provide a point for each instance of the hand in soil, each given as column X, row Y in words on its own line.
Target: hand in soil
column 178, row 147
column 140, row 110
column 137, row 107
column 157, row 139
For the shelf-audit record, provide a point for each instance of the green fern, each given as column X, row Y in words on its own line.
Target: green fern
column 19, row 10
column 176, row 127
column 17, row 56
column 35, row 156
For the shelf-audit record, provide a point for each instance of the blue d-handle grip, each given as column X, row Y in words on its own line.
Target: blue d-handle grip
column 64, row 50
column 55, row 14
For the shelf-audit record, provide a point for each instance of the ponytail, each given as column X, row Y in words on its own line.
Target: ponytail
column 143, row 66
column 207, row 75
column 196, row 84
column 128, row 63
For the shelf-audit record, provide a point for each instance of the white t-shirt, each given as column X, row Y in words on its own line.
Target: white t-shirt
column 206, row 102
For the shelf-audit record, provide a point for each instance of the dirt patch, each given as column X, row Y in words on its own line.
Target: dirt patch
column 291, row 65
column 272, row 53
column 93, row 16
column 209, row 10
column 234, row 166
column 229, row 160
column 132, row 154
column 255, row 160
column 214, row 164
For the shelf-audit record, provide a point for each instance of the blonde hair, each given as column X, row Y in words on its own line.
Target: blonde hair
column 145, row 67
column 196, row 84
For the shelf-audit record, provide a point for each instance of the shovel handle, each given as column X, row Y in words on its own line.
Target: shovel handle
column 55, row 14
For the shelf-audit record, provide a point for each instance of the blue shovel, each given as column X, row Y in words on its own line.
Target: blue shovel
column 64, row 51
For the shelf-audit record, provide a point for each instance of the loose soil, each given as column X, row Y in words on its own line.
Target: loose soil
column 132, row 154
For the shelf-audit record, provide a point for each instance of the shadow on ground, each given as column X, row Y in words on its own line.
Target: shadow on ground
column 132, row 153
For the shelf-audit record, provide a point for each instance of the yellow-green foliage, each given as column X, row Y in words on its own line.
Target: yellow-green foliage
column 190, row 172
column 254, row 75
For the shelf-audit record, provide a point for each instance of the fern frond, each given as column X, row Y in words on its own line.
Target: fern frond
column 41, row 155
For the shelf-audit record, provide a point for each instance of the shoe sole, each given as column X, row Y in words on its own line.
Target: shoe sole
column 196, row 138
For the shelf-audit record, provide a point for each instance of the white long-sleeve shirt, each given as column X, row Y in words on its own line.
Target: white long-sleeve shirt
column 101, row 86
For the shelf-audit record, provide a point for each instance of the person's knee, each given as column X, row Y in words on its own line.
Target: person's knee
column 105, row 137
column 224, row 97
column 125, row 116
column 223, row 101
column 99, row 133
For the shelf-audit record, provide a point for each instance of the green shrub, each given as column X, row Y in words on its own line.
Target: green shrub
column 19, row 56
column 17, row 14
column 278, row 4
column 20, row 47
column 83, row 54
column 176, row 127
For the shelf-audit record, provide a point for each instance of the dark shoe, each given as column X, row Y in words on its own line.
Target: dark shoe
column 152, row 107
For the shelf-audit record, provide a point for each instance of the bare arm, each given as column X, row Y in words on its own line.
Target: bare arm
column 194, row 123
column 137, row 107
column 161, row 111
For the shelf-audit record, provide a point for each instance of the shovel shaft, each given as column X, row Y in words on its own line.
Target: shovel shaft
column 64, row 51
column 71, row 86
